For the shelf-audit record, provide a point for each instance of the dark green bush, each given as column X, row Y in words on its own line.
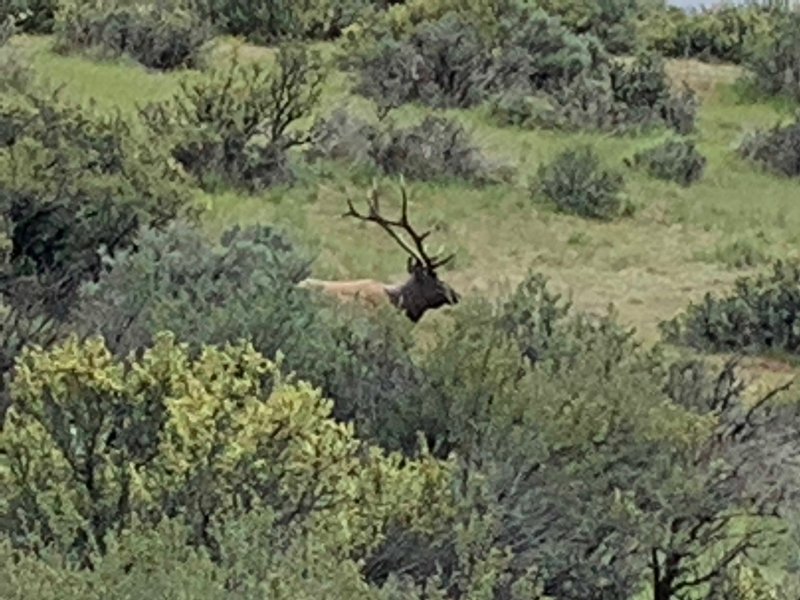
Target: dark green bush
column 761, row 313
column 164, row 35
column 575, row 182
column 436, row 148
column 675, row 160
column 73, row 181
column 776, row 149
column 279, row 20
column 237, row 123
column 30, row 16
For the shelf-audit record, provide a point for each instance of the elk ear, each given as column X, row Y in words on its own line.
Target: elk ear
column 410, row 264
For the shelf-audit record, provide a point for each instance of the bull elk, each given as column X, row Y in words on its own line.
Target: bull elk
column 422, row 291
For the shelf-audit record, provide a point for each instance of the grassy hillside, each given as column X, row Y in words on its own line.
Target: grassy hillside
column 680, row 244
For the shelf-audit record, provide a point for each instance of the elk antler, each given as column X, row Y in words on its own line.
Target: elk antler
column 388, row 225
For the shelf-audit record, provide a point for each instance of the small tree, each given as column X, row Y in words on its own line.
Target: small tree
column 237, row 124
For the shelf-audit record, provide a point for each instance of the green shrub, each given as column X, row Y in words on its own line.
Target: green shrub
column 73, row 181
column 675, row 160
column 436, row 148
column 611, row 21
column 205, row 437
column 30, row 16
column 616, row 97
column 776, row 149
column 443, row 63
column 761, row 313
column 244, row 288
column 163, row 35
column 723, row 34
column 237, row 123
column 575, row 182
column 774, row 58
column 280, row 20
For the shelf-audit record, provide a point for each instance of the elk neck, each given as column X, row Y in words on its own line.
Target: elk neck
column 404, row 297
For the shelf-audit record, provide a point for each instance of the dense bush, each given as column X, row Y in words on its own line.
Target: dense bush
column 166, row 34
column 617, row 97
column 244, row 287
column 776, row 149
column 237, row 123
column 723, row 34
column 443, row 63
column 279, row 20
column 761, row 313
column 30, row 16
column 675, row 160
column 435, row 148
column 203, row 438
column 73, row 181
column 575, row 182
column 611, row 21
column 774, row 59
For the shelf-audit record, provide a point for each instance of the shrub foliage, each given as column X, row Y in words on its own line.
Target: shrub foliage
column 236, row 124
column 761, row 313
column 776, row 149
column 675, row 160
column 576, row 182
column 434, row 149
column 164, row 35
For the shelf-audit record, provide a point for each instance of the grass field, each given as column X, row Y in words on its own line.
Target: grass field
column 680, row 244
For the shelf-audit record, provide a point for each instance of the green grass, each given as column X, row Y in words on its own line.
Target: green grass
column 680, row 244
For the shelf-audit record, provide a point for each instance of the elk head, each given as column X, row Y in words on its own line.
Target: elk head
column 423, row 290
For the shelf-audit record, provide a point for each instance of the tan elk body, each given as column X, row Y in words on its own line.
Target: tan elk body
column 422, row 291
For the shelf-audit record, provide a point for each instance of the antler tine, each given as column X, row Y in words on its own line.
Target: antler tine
column 375, row 216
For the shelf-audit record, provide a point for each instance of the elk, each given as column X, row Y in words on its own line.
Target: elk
column 422, row 291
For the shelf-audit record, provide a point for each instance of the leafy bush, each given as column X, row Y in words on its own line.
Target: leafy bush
column 236, row 124
column 777, row 149
column 244, row 287
column 203, row 437
column 435, row 148
column 761, row 313
column 774, row 59
column 73, row 181
column 443, row 63
column 165, row 35
column 619, row 98
column 281, row 20
column 576, row 183
column 29, row 16
column 675, row 160
column 722, row 34
column 611, row 21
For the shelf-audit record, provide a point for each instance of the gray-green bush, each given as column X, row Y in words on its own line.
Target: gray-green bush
column 164, row 35
column 437, row 148
column 776, row 149
column 675, row 160
column 576, row 182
